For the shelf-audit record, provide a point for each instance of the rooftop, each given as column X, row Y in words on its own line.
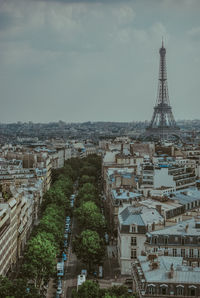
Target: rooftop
column 169, row 205
column 141, row 216
column 184, row 228
column 187, row 196
column 123, row 194
column 181, row 274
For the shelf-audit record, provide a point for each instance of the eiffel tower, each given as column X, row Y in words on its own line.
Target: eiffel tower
column 162, row 124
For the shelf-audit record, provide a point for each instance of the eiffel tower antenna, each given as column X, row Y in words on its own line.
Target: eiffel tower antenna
column 162, row 123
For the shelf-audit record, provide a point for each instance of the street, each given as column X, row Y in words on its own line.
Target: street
column 73, row 267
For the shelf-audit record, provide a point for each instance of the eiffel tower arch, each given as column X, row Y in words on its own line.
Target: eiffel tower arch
column 163, row 124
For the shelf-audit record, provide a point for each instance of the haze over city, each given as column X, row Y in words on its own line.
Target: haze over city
column 96, row 60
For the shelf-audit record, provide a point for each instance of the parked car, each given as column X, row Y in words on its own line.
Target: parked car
column 106, row 238
column 60, row 269
column 84, row 272
column 68, row 219
column 58, row 292
column 64, row 255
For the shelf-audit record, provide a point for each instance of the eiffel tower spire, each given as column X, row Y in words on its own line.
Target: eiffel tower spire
column 162, row 123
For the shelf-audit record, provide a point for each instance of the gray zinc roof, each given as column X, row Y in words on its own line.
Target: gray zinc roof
column 141, row 216
column 182, row 273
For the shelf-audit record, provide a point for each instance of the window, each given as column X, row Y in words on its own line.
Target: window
column 176, row 239
column 133, row 241
column 163, row 291
column 166, row 240
column 183, row 241
column 133, row 253
column 155, row 240
column 180, row 291
column 133, row 229
column 191, row 253
column 152, row 290
column 198, row 253
column 183, row 252
column 192, row 292
column 174, row 252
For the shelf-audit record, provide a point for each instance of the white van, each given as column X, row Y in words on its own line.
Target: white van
column 80, row 280
column 100, row 272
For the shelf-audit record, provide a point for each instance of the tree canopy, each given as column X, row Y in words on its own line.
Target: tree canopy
column 41, row 254
column 90, row 289
column 89, row 217
column 89, row 248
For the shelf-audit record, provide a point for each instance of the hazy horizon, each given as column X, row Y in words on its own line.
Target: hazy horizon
column 93, row 60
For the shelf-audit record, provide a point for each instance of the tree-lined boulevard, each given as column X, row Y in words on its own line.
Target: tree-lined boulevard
column 84, row 245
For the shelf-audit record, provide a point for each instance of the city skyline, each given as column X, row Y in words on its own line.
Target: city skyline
column 80, row 61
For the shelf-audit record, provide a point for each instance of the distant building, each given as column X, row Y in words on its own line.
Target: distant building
column 167, row 175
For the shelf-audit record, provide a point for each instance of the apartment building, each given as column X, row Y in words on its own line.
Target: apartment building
column 19, row 206
column 134, row 222
column 120, row 160
column 116, row 200
column 8, row 234
column 164, row 276
column 167, row 175
column 180, row 240
column 171, row 210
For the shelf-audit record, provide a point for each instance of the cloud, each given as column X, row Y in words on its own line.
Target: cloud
column 88, row 56
column 83, row 1
column 194, row 32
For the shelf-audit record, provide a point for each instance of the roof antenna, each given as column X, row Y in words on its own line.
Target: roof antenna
column 162, row 42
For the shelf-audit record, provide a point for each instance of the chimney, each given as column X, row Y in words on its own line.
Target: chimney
column 171, row 272
column 159, row 208
column 122, row 148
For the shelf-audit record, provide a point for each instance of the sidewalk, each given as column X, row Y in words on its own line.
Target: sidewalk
column 51, row 291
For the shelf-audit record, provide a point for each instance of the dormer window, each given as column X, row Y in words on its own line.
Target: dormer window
column 133, row 229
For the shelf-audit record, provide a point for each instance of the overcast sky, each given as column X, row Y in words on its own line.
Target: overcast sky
column 97, row 60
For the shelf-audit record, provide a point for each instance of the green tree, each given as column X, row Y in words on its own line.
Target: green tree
column 65, row 184
column 54, row 195
column 89, row 248
column 89, row 217
column 86, row 179
column 66, row 171
column 41, row 254
column 16, row 288
column 118, row 291
column 5, row 287
column 88, row 289
column 87, row 188
column 76, row 164
column 89, row 170
column 53, row 221
column 49, row 225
